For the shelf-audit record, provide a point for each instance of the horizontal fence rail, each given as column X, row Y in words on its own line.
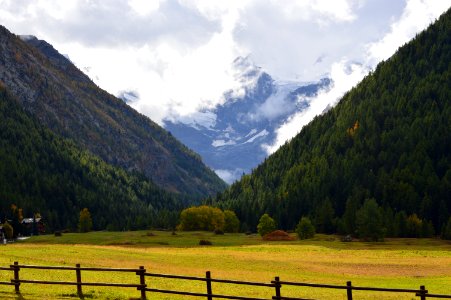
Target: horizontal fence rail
column 275, row 285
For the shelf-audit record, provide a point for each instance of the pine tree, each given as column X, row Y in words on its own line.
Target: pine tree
column 305, row 229
column 446, row 232
column 370, row 221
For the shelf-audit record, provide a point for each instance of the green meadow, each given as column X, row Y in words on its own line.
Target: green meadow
column 395, row 263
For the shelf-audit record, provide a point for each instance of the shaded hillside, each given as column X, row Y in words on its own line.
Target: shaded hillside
column 389, row 138
column 64, row 99
column 43, row 173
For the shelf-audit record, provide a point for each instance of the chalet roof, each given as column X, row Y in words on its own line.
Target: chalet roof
column 30, row 220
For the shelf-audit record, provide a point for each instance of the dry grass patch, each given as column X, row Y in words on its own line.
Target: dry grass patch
column 391, row 264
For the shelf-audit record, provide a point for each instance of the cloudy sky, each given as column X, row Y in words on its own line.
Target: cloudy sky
column 178, row 54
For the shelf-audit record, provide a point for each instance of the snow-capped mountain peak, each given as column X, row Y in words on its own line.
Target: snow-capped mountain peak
column 230, row 137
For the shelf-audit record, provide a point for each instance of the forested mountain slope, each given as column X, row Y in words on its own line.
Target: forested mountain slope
column 43, row 173
column 389, row 138
column 65, row 100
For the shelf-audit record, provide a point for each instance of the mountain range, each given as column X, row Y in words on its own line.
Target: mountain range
column 232, row 138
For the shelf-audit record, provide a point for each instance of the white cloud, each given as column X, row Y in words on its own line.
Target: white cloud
column 176, row 54
column 300, row 40
column 144, row 7
column 320, row 11
column 230, row 176
column 417, row 15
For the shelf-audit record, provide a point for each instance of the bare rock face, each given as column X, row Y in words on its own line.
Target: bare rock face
column 64, row 99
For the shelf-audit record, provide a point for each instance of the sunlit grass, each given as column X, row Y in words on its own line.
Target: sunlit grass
column 398, row 263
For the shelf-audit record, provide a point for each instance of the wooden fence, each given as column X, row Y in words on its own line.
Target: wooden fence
column 142, row 287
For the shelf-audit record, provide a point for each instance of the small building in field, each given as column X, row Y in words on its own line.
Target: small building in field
column 33, row 226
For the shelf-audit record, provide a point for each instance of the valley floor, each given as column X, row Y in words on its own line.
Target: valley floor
column 395, row 263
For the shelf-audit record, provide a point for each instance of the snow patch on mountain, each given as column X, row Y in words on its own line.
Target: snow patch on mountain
column 231, row 136
column 220, row 143
column 205, row 119
column 252, row 132
column 260, row 134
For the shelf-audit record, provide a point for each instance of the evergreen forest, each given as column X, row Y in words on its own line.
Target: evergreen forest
column 384, row 152
column 41, row 173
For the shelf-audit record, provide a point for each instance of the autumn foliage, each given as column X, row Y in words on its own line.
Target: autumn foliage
column 208, row 218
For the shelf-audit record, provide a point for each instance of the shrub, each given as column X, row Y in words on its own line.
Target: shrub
column 266, row 225
column 205, row 243
column 347, row 238
column 58, row 233
column 231, row 222
column 305, row 229
column 201, row 218
column 9, row 231
column 219, row 232
column 85, row 221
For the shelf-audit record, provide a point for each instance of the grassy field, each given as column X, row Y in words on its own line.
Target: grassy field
column 397, row 263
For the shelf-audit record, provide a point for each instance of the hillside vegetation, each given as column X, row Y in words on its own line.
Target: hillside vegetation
column 389, row 138
column 43, row 173
column 65, row 100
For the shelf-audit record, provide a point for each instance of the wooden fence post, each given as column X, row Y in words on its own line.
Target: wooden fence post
column 209, row 290
column 142, row 282
column 277, row 286
column 349, row 290
column 78, row 274
column 16, row 277
column 423, row 292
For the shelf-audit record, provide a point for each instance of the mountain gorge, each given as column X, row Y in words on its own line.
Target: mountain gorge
column 233, row 136
column 388, row 139
column 61, row 97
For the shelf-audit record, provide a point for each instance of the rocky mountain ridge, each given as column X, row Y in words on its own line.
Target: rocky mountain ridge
column 65, row 100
